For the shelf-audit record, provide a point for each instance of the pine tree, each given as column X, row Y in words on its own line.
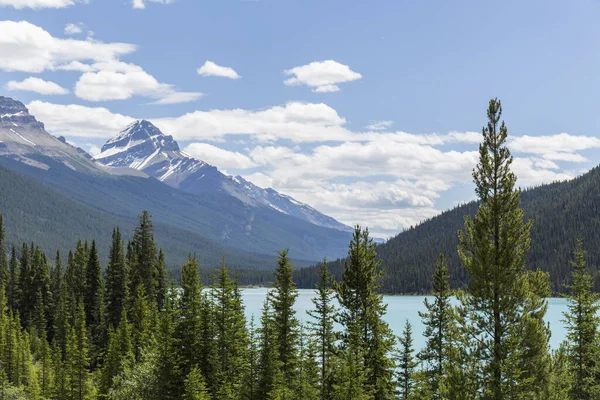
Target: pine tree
column 195, row 387
column 94, row 302
column 145, row 252
column 285, row 324
column 117, row 280
column 12, row 292
column 582, row 321
column 323, row 329
column 162, row 284
column 406, row 363
column 269, row 363
column 309, row 369
column 142, row 333
column 363, row 310
column 119, row 355
column 4, row 272
column 77, row 360
column 169, row 377
column 190, row 304
column 439, row 322
column 251, row 373
column 492, row 249
column 232, row 336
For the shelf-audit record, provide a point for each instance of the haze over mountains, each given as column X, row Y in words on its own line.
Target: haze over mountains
column 189, row 198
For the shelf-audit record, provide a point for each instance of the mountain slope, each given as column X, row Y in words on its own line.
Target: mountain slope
column 32, row 211
column 215, row 216
column 143, row 147
column 561, row 213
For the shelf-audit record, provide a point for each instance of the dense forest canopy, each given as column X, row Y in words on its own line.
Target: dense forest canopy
column 71, row 329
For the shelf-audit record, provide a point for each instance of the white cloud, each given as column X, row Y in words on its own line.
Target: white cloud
column 322, row 76
column 211, row 69
column 561, row 147
column 384, row 180
column 37, row 4
column 78, row 121
column 219, row 157
column 93, row 149
column 26, row 47
column 74, row 29
column 379, row 125
column 37, row 85
column 140, row 4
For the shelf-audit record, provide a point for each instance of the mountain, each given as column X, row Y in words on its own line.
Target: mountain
column 210, row 223
column 142, row 146
column 561, row 212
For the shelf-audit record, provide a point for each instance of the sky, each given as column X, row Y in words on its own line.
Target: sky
column 370, row 111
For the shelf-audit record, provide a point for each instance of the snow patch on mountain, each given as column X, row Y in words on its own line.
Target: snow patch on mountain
column 142, row 146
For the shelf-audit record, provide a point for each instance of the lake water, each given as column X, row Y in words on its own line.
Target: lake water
column 400, row 308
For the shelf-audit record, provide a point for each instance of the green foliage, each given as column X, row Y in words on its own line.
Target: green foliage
column 583, row 348
column 406, row 363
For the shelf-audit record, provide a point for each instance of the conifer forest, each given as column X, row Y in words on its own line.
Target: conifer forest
column 72, row 328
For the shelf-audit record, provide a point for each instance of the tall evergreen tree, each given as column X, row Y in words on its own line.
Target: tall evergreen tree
column 492, row 249
column 189, row 327
column 285, row 324
column 232, row 336
column 94, row 299
column 322, row 327
column 169, row 377
column 363, row 310
column 145, row 252
column 582, row 320
column 406, row 363
column 439, row 322
column 77, row 359
column 119, row 355
column 12, row 292
column 117, row 280
column 4, row 272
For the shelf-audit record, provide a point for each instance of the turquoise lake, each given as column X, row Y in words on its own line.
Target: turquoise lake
column 400, row 308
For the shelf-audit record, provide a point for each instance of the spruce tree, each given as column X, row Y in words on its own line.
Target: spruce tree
column 169, row 377
column 195, row 387
column 145, row 252
column 4, row 272
column 94, row 301
column 12, row 291
column 323, row 329
column 232, row 336
column 406, row 363
column 285, row 324
column 189, row 326
column 492, row 249
column 119, row 355
column 362, row 311
column 582, row 321
column 439, row 322
column 117, row 280
column 77, row 359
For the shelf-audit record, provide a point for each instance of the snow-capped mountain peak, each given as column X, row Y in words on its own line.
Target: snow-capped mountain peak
column 142, row 146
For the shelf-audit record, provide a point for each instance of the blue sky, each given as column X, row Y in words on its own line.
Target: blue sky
column 428, row 68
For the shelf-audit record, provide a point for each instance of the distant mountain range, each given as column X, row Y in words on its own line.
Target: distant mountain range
column 196, row 208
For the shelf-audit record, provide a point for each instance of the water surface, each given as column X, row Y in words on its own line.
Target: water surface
column 399, row 309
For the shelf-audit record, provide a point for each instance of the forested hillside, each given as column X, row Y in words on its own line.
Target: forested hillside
column 561, row 213
column 34, row 212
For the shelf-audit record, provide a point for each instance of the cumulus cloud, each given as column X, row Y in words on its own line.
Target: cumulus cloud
column 25, row 47
column 220, row 157
column 211, row 69
column 384, row 180
column 115, row 80
column 38, row 4
column 74, row 29
column 36, row 85
column 78, row 121
column 322, row 76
